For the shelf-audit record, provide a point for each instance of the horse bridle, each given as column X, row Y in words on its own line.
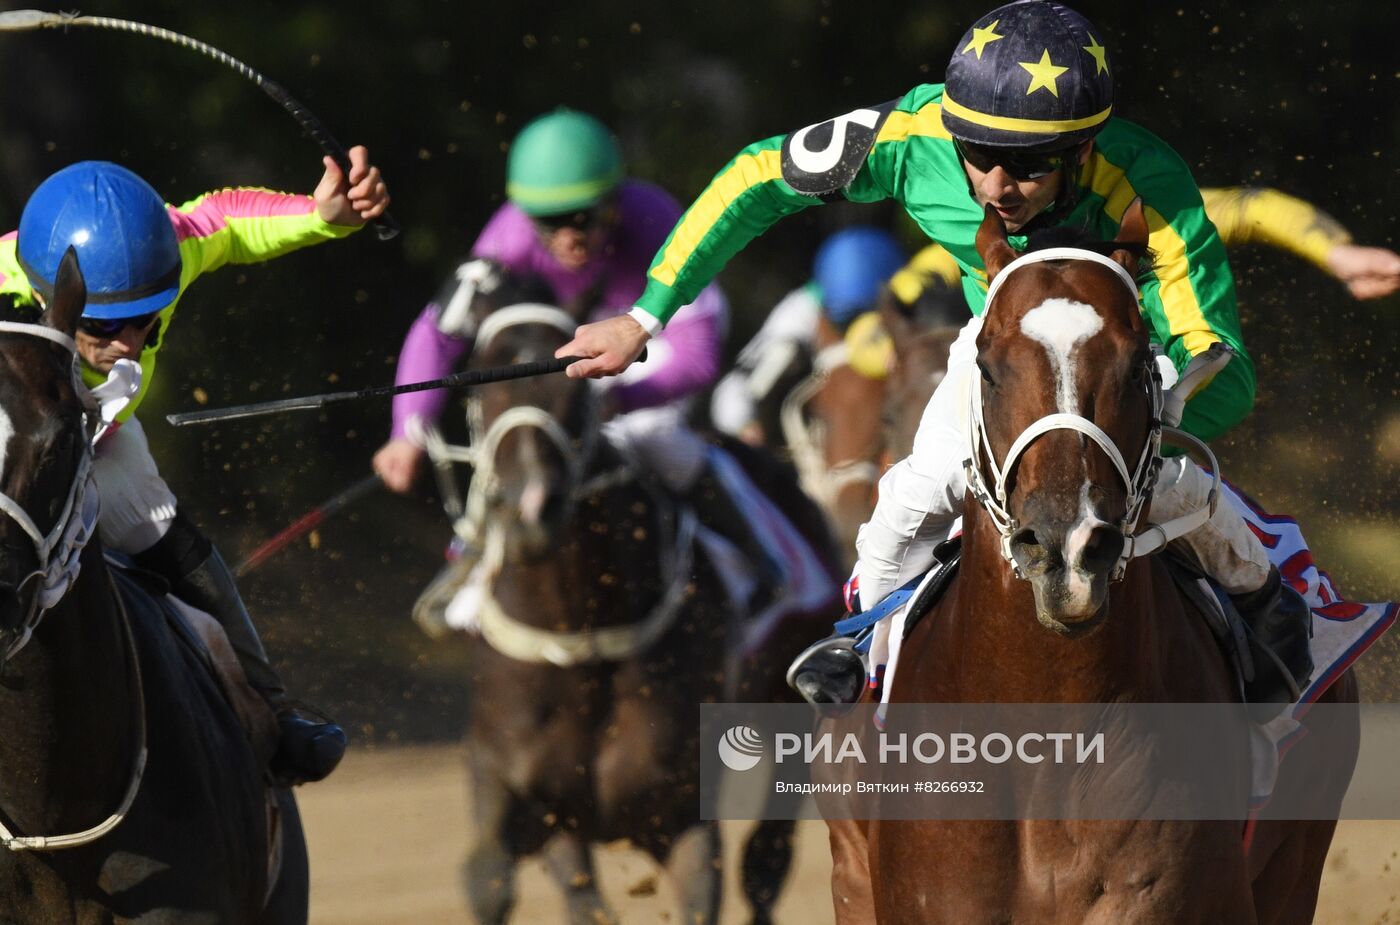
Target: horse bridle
column 486, row 441
column 68, row 538
column 509, row 636
column 60, row 550
column 1139, row 482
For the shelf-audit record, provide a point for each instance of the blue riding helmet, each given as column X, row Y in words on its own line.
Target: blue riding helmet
column 118, row 225
column 1031, row 75
column 850, row 268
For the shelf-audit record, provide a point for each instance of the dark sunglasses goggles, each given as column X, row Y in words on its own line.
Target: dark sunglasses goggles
column 1021, row 165
column 108, row 328
column 580, row 220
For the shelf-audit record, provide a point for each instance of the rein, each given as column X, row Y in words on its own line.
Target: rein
column 992, row 493
column 68, row 538
column 138, row 769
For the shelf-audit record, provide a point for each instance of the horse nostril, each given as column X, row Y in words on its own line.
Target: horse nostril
column 1103, row 548
column 1025, row 539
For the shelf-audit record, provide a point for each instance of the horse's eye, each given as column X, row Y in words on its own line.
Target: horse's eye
column 986, row 374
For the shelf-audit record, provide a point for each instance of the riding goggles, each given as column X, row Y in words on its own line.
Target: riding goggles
column 581, row 220
column 1021, row 165
column 107, row 328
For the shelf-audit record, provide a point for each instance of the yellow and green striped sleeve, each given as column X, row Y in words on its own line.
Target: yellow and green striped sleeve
column 1258, row 215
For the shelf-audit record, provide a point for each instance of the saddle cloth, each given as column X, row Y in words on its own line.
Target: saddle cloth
column 807, row 584
column 1342, row 631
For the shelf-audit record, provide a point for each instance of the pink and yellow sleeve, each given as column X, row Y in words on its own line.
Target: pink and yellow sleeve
column 247, row 226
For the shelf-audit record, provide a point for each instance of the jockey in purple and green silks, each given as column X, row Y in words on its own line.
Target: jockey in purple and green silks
column 576, row 222
column 1024, row 126
column 138, row 256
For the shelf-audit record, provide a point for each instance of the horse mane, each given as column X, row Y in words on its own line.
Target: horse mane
column 1071, row 236
column 938, row 305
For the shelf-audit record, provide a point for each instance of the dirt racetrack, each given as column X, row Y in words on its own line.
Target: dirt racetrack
column 386, row 836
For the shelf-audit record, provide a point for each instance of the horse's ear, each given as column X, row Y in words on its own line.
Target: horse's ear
column 1132, row 231
column 996, row 252
column 69, row 295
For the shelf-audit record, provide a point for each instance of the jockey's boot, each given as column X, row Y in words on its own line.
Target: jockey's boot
column 829, row 675
column 1280, row 623
column 430, row 610
column 307, row 749
column 717, row 510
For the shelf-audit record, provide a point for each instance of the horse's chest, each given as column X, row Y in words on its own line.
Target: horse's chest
column 1071, row 873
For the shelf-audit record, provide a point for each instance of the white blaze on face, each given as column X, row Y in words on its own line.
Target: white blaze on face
column 1061, row 325
column 7, row 430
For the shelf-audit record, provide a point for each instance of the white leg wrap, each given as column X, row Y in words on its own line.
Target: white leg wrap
column 1227, row 549
column 137, row 505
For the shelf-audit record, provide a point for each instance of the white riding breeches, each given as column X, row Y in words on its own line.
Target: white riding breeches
column 662, row 442
column 922, row 495
column 137, row 505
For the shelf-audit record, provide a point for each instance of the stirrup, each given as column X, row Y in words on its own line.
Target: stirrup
column 839, row 672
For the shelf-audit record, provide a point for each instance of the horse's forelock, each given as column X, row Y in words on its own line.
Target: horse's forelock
column 1067, row 236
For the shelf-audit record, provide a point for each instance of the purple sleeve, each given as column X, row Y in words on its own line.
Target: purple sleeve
column 508, row 237
column 427, row 354
column 684, row 358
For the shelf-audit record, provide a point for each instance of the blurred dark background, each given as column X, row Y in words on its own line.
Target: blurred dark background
column 1302, row 97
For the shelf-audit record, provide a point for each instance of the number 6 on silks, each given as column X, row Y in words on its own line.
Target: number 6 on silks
column 822, row 159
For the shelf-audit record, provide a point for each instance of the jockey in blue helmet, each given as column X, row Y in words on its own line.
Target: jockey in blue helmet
column 119, row 227
column 137, row 256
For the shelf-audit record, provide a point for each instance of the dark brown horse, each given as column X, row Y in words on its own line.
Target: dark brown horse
column 602, row 629
column 1069, row 634
column 129, row 792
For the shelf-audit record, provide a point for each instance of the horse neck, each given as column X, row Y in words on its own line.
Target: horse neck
column 1003, row 653
column 67, row 723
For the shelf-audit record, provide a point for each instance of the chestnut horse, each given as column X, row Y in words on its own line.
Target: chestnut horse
column 1072, row 632
column 602, row 630
column 129, row 791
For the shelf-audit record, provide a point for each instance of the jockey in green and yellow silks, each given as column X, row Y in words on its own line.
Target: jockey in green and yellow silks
column 1023, row 125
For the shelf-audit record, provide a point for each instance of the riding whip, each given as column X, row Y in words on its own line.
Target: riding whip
column 30, row 20
column 306, row 523
column 306, row 403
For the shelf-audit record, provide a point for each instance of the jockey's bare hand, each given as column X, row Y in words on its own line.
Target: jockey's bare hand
column 397, row 464
column 1369, row 272
column 354, row 199
column 608, row 347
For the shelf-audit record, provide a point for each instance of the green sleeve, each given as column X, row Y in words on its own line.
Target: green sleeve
column 746, row 197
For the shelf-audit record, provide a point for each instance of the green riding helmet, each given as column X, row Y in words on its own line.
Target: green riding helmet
column 562, row 162
column 1031, row 75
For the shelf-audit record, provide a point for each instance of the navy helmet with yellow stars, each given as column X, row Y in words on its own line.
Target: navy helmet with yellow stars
column 1030, row 75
